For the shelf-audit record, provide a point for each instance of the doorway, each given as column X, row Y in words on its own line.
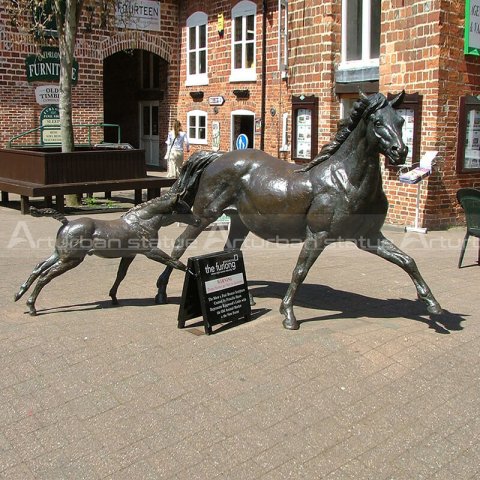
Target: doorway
column 149, row 138
column 134, row 88
column 243, row 121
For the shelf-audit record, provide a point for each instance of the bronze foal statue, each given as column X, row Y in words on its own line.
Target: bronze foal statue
column 337, row 196
column 135, row 232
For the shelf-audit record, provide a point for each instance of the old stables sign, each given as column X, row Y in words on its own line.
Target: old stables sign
column 46, row 66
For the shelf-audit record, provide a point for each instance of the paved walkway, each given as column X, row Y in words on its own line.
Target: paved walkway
column 368, row 388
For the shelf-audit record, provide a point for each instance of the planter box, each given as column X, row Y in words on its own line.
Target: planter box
column 50, row 166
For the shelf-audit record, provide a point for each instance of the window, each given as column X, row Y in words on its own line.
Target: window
column 243, row 42
column 468, row 140
column 197, row 39
column 44, row 20
column 197, row 127
column 283, row 37
column 360, row 32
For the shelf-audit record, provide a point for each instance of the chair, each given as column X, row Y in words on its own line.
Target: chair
column 469, row 199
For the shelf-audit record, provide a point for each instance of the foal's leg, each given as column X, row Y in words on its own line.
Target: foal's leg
column 40, row 268
column 122, row 271
column 160, row 256
column 47, row 276
column 384, row 248
column 312, row 248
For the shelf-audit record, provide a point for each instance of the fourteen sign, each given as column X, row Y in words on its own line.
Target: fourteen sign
column 217, row 290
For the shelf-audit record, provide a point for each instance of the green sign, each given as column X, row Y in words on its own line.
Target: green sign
column 472, row 27
column 46, row 66
column 50, row 120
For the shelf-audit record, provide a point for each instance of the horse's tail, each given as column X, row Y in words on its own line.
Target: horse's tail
column 48, row 212
column 187, row 182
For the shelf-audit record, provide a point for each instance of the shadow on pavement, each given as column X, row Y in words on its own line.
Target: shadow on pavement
column 332, row 304
column 354, row 305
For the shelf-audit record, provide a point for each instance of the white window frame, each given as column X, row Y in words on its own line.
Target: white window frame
column 244, row 9
column 194, row 139
column 365, row 61
column 283, row 37
column 195, row 21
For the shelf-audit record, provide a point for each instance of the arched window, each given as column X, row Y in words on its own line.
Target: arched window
column 244, row 41
column 197, row 49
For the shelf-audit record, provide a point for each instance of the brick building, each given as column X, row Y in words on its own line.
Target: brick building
column 282, row 73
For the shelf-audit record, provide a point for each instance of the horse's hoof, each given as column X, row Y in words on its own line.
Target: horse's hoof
column 289, row 325
column 161, row 298
column 114, row 302
column 16, row 296
column 435, row 309
column 33, row 313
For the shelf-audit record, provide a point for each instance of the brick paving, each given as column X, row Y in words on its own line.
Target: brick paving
column 368, row 388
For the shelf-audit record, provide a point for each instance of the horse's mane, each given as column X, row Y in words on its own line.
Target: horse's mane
column 362, row 108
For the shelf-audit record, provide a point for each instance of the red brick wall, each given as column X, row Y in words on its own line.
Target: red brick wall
column 422, row 51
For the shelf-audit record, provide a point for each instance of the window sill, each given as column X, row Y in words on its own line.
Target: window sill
column 197, row 142
column 357, row 72
column 243, row 76
column 196, row 80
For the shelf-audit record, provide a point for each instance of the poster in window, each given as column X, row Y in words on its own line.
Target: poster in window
column 304, row 133
column 472, row 140
column 408, row 114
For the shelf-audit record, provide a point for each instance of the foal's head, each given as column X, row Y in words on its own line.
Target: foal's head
column 173, row 209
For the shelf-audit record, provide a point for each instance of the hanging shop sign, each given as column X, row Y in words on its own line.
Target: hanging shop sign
column 138, row 15
column 50, row 121
column 46, row 66
column 472, row 27
column 47, row 94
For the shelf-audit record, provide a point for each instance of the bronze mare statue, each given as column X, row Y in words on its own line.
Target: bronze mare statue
column 135, row 232
column 337, row 196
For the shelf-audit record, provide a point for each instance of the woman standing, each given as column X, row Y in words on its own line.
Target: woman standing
column 176, row 140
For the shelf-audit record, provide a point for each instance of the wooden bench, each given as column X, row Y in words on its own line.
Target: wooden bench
column 152, row 184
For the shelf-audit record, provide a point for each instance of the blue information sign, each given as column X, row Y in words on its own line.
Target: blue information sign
column 241, row 142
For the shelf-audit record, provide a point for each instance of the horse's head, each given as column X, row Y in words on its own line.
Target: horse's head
column 177, row 210
column 384, row 126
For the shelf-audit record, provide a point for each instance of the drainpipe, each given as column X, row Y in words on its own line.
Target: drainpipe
column 264, row 74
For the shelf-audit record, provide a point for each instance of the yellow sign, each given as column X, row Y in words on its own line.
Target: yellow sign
column 220, row 23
